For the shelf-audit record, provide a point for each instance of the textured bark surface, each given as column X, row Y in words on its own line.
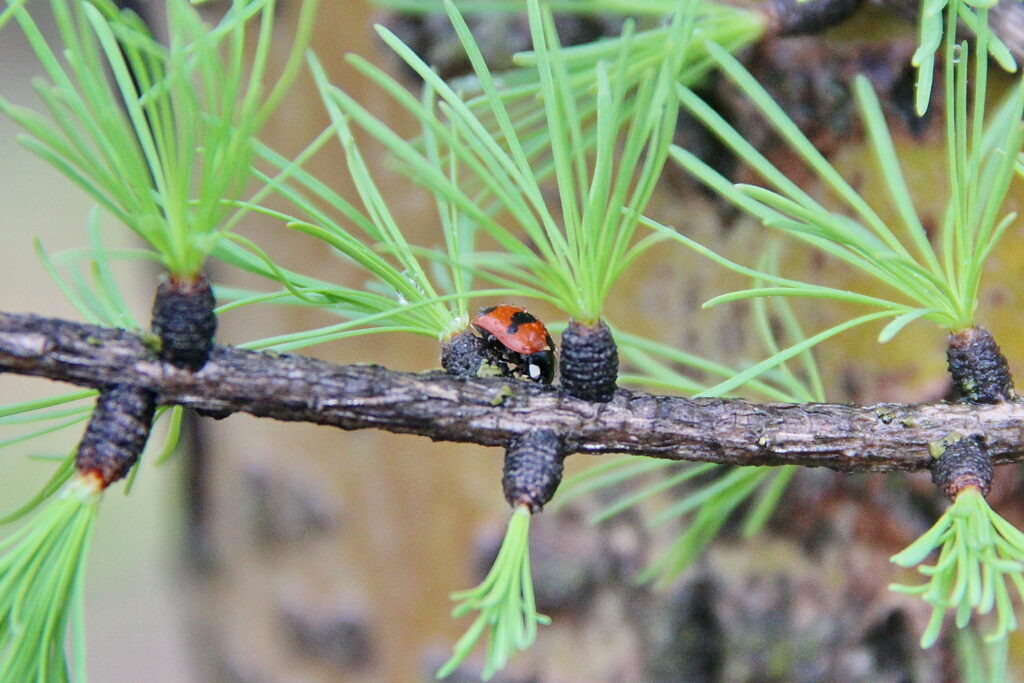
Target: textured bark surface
column 491, row 412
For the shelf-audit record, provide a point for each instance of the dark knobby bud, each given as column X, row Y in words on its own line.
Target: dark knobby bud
column 183, row 318
column 116, row 433
column 798, row 17
column 462, row 354
column 979, row 369
column 964, row 463
column 589, row 364
column 533, row 469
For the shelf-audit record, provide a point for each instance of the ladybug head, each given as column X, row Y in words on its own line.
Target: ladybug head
column 540, row 366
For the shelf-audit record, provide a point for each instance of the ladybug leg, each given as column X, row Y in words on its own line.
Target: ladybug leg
column 516, row 364
column 499, row 356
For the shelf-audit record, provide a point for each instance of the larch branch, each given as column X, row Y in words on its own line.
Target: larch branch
column 493, row 411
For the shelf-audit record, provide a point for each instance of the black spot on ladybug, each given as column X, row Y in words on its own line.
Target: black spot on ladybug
column 520, row 318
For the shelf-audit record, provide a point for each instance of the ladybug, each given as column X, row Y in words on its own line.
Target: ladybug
column 517, row 341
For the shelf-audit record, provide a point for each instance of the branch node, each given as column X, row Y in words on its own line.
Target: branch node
column 533, row 468
column 979, row 369
column 964, row 463
column 184, row 320
column 589, row 363
column 116, row 433
column 462, row 355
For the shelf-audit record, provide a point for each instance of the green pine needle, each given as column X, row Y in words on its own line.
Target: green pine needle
column 930, row 37
column 471, row 158
column 159, row 136
column 980, row 563
column 505, row 602
column 705, row 508
column 41, row 568
column 54, row 484
column 571, row 256
column 418, row 289
column 8, row 12
column 86, row 277
column 469, row 7
column 711, row 506
column 981, row 660
column 938, row 282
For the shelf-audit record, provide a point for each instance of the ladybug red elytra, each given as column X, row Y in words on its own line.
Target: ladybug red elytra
column 518, row 340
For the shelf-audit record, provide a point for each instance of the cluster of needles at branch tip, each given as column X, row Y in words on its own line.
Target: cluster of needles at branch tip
column 127, row 114
column 531, row 474
column 603, row 132
column 936, row 280
column 42, row 563
column 980, row 553
column 942, row 282
column 981, row 556
column 41, row 575
column 505, row 602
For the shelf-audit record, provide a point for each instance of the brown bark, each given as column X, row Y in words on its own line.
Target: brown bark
column 491, row 412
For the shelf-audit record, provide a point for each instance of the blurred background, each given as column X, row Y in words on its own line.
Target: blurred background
column 281, row 552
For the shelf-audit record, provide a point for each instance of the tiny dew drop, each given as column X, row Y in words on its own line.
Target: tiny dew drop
column 957, row 52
